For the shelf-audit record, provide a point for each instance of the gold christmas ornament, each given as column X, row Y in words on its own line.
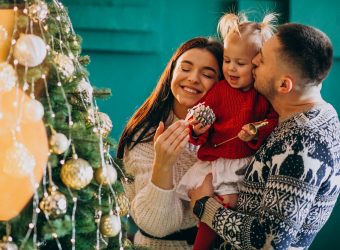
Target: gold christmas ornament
column 30, row 50
column 106, row 175
column 33, row 110
column 8, row 77
column 53, row 204
column 76, row 173
column 38, row 11
column 110, row 225
column 59, row 143
column 65, row 65
column 105, row 123
column 123, row 204
column 18, row 161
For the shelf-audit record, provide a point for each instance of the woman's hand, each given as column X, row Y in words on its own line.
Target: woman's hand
column 168, row 144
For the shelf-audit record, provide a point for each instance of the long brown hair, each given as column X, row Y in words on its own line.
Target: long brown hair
column 158, row 105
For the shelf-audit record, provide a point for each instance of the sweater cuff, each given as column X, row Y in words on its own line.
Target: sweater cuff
column 159, row 195
column 210, row 209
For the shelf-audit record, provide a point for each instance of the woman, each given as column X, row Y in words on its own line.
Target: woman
column 153, row 146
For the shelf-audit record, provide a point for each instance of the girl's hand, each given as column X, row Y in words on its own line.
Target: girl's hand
column 198, row 127
column 168, row 144
column 246, row 134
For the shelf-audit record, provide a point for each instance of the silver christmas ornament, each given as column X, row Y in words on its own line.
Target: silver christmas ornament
column 110, row 225
column 65, row 65
column 6, row 244
column 8, row 77
column 76, row 173
column 105, row 123
column 38, row 11
column 203, row 114
column 53, row 204
column 106, row 175
column 33, row 110
column 30, row 50
column 18, row 161
column 59, row 143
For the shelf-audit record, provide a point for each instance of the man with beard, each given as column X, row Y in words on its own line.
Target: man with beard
column 293, row 181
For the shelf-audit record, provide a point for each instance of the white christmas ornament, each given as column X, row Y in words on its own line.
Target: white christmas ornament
column 106, row 175
column 38, row 12
column 30, row 50
column 85, row 88
column 59, row 143
column 65, row 65
column 18, row 162
column 34, row 110
column 8, row 77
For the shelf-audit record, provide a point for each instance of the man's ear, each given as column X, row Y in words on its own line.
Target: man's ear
column 286, row 84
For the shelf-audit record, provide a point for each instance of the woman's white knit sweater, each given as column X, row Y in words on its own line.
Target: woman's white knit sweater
column 156, row 211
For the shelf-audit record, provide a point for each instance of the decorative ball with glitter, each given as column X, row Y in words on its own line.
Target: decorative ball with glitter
column 59, row 143
column 18, row 161
column 30, row 50
column 203, row 114
column 123, row 204
column 76, row 173
column 6, row 244
column 65, row 65
column 33, row 110
column 8, row 77
column 105, row 123
column 38, row 11
column 110, row 225
column 3, row 34
column 53, row 204
column 82, row 97
column 106, row 175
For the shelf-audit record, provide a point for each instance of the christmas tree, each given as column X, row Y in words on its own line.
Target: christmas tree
column 55, row 162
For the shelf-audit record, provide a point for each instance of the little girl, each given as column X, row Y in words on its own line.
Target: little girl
column 236, row 104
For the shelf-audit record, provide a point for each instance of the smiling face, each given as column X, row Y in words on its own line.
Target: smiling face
column 194, row 74
column 237, row 65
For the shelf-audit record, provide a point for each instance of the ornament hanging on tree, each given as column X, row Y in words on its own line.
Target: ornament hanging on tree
column 82, row 97
column 53, row 203
column 123, row 204
column 65, row 65
column 30, row 50
column 110, row 225
column 105, row 123
column 38, row 11
column 18, row 161
column 7, row 244
column 76, row 173
column 59, row 143
column 106, row 175
column 33, row 110
column 8, row 77
column 203, row 114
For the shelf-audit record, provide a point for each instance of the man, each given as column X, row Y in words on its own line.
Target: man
column 293, row 181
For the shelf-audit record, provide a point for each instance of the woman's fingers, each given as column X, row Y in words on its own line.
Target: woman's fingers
column 159, row 131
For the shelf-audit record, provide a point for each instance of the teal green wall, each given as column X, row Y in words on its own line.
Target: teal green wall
column 130, row 42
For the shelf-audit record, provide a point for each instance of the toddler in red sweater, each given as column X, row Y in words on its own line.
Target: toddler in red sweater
column 236, row 104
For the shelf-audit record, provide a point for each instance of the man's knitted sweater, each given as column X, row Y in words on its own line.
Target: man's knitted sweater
column 233, row 108
column 156, row 211
column 290, row 187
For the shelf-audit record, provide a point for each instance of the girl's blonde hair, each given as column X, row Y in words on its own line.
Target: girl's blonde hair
column 231, row 23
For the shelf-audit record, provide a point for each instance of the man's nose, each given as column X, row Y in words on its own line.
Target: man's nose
column 255, row 60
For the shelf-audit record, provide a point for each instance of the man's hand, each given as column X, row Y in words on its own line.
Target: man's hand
column 206, row 189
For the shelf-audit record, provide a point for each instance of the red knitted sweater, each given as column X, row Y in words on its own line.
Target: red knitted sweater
column 233, row 109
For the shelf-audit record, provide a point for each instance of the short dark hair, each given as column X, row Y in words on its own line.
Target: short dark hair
column 306, row 48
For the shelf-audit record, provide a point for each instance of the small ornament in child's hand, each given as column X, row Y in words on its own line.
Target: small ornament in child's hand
column 254, row 127
column 203, row 114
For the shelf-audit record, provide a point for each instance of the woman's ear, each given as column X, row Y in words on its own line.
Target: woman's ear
column 286, row 85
